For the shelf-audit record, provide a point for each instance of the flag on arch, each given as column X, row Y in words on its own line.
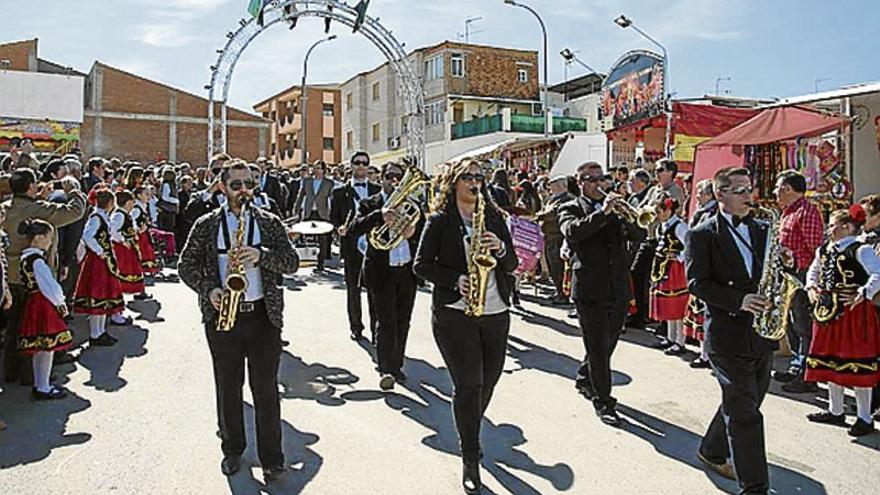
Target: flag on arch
column 255, row 8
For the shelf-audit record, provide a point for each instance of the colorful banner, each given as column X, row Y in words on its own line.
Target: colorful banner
column 38, row 130
column 633, row 89
column 528, row 241
column 686, row 146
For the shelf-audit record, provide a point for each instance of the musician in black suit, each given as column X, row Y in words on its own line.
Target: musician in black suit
column 473, row 347
column 388, row 274
column 724, row 264
column 343, row 208
column 269, row 183
column 600, row 283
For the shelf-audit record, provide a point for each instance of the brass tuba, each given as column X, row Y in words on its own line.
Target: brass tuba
column 236, row 282
column 480, row 262
column 386, row 237
column 776, row 284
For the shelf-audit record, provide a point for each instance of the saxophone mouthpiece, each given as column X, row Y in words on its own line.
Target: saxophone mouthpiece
column 475, row 190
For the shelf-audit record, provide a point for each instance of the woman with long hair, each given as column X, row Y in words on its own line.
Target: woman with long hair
column 473, row 347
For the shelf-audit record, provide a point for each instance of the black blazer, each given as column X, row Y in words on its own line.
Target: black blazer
column 273, row 189
column 599, row 257
column 441, row 259
column 342, row 201
column 376, row 262
column 717, row 275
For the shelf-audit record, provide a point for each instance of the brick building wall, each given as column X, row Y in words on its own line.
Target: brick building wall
column 489, row 71
column 135, row 118
column 22, row 55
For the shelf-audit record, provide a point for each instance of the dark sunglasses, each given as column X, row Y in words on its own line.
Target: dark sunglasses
column 739, row 190
column 360, row 163
column 237, row 185
column 589, row 178
column 467, row 177
column 392, row 176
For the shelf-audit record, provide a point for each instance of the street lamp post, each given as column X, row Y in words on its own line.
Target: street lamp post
column 625, row 22
column 546, row 82
column 305, row 98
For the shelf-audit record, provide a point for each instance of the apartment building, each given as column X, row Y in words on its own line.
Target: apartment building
column 323, row 124
column 461, row 82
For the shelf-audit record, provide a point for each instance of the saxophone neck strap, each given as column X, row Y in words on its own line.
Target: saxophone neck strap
column 739, row 236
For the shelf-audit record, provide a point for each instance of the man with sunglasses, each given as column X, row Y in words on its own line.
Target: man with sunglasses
column 313, row 203
column 343, row 209
column 725, row 257
column 255, row 339
column 601, row 290
column 389, row 276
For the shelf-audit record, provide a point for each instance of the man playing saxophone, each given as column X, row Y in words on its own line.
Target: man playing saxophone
column 452, row 252
column 224, row 245
column 387, row 273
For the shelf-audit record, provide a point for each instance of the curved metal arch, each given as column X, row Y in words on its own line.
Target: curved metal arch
column 409, row 86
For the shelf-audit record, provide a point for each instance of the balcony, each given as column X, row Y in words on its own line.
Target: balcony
column 510, row 122
column 290, row 124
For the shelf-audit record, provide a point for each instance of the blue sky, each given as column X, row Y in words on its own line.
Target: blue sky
column 768, row 48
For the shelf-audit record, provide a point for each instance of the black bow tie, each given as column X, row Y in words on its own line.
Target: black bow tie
column 360, row 184
column 738, row 220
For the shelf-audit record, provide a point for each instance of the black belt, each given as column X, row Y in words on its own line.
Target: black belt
column 251, row 306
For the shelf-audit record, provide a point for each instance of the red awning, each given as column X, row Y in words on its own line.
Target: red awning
column 778, row 124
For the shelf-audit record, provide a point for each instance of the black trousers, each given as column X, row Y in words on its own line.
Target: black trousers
column 473, row 350
column 254, row 341
column 555, row 265
column 352, row 271
column 641, row 274
column 737, row 430
column 601, row 323
column 394, row 304
column 323, row 241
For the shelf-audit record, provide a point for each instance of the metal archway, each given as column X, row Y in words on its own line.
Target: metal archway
column 409, row 86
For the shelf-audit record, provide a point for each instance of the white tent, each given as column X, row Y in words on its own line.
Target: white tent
column 580, row 147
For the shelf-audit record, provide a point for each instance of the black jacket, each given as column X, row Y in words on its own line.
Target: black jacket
column 441, row 257
column 376, row 262
column 342, row 201
column 717, row 275
column 599, row 259
column 274, row 190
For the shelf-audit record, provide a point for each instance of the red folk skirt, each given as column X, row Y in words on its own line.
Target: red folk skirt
column 669, row 297
column 845, row 351
column 148, row 254
column 129, row 264
column 98, row 292
column 41, row 327
column 694, row 318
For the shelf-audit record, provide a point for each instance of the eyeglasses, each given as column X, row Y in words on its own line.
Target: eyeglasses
column 467, row 177
column 237, row 185
column 739, row 190
column 360, row 163
column 392, row 176
column 589, row 178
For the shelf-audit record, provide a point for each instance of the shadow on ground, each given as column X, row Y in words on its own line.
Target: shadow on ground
column 531, row 356
column 315, row 381
column 105, row 363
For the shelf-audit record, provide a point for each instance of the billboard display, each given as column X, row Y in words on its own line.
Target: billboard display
column 633, row 89
column 38, row 96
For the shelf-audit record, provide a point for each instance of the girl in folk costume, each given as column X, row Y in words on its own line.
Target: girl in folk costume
column 167, row 201
column 841, row 282
column 695, row 316
column 668, row 294
column 98, row 292
column 871, row 204
column 125, row 246
column 141, row 219
column 42, row 329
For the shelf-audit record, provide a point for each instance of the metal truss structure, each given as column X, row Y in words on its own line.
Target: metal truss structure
column 286, row 12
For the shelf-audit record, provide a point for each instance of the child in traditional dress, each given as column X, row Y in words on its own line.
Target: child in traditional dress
column 42, row 329
column 871, row 236
column 98, row 292
column 141, row 217
column 669, row 294
column 125, row 248
column 841, row 282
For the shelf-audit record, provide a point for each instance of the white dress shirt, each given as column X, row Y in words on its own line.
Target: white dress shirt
column 49, row 287
column 117, row 220
column 744, row 249
column 152, row 210
column 254, row 290
column 866, row 256
column 91, row 229
column 361, row 193
column 494, row 304
column 166, row 194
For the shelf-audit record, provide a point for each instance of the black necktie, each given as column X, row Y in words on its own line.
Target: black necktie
column 739, row 220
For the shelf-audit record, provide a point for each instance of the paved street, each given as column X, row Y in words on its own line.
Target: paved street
column 141, row 417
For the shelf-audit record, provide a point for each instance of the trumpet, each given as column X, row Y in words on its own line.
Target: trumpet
column 643, row 217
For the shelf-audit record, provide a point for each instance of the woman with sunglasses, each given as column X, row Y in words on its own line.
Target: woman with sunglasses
column 473, row 348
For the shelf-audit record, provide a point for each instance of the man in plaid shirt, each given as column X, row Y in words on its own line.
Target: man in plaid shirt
column 801, row 233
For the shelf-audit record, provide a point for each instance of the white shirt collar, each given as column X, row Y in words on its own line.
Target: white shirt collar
column 31, row 250
column 844, row 243
column 671, row 221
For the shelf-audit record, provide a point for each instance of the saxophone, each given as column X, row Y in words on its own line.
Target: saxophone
column 776, row 284
column 480, row 262
column 236, row 281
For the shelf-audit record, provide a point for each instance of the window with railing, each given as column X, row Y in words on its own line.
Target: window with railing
column 434, row 68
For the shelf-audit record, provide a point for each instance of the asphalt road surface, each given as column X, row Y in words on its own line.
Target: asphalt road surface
column 141, row 417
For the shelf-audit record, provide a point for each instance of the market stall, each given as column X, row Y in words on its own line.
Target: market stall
column 777, row 139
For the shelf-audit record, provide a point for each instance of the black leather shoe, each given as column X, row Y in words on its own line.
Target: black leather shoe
column 674, row 350
column 860, row 428
column 783, row 376
column 470, row 479
column 230, row 464
column 274, row 473
column 142, row 297
column 63, row 358
column 357, row 336
column 105, row 340
column 799, row 386
column 54, row 393
column 608, row 415
column 585, row 388
column 826, row 418
column 699, row 363
column 400, row 377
